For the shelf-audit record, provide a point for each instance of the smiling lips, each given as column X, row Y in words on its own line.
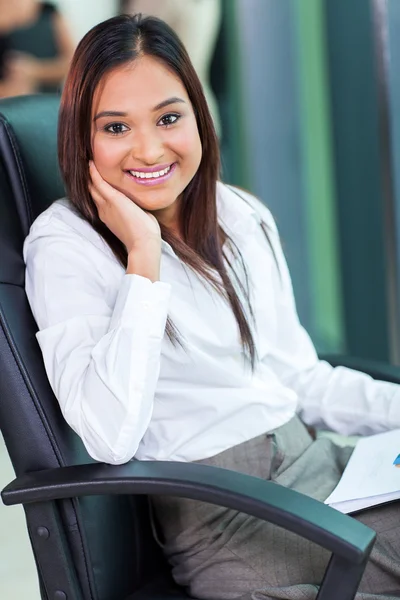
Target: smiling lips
column 152, row 176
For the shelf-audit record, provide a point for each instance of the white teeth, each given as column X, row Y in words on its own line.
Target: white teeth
column 153, row 175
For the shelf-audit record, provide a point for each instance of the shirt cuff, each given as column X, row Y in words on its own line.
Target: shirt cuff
column 139, row 298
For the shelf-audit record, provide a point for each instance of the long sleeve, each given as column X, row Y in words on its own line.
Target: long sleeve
column 100, row 332
column 339, row 399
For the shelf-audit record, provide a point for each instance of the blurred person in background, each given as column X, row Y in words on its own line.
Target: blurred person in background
column 197, row 24
column 35, row 47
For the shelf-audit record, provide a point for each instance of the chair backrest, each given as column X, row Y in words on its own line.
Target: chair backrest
column 109, row 538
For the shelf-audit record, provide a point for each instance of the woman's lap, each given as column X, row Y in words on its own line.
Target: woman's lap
column 383, row 569
column 219, row 553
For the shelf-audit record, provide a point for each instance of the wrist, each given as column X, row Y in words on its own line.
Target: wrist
column 145, row 261
column 147, row 245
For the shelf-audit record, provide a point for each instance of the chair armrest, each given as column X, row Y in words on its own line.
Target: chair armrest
column 338, row 533
column 375, row 368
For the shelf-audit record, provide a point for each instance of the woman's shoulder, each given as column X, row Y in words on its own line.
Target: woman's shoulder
column 62, row 223
column 235, row 203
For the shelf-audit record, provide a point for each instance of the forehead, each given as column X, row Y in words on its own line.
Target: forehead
column 141, row 84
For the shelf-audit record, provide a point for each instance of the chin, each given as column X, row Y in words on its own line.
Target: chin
column 154, row 201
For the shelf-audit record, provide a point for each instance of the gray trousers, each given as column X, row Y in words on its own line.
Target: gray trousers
column 219, row 553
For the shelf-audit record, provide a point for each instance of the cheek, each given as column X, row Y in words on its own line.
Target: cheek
column 107, row 154
column 187, row 145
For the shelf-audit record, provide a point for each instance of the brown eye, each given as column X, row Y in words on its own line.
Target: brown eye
column 116, row 128
column 169, row 119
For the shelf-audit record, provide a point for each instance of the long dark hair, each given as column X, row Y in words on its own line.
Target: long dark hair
column 111, row 44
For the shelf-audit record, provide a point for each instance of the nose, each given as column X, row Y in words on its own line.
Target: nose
column 147, row 148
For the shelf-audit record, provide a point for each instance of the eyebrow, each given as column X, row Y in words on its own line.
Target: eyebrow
column 116, row 113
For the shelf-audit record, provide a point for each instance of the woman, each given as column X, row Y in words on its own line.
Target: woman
column 168, row 326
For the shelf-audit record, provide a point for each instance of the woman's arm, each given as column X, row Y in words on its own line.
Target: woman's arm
column 12, row 86
column 100, row 338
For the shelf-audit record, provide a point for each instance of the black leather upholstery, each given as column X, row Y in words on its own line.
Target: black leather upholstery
column 109, row 538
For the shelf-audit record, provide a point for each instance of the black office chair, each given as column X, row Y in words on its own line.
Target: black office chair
column 88, row 522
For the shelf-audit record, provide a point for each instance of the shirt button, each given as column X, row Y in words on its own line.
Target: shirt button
column 146, row 304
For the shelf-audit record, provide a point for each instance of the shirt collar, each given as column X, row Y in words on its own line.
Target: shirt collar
column 235, row 212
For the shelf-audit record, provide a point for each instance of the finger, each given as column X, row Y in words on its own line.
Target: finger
column 97, row 179
column 95, row 176
column 91, row 180
column 93, row 172
column 92, row 168
column 95, row 183
column 97, row 197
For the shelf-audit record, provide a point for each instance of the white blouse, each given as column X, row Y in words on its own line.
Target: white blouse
column 128, row 391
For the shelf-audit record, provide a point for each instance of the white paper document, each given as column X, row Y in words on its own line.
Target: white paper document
column 371, row 476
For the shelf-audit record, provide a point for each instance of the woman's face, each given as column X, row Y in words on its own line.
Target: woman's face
column 145, row 139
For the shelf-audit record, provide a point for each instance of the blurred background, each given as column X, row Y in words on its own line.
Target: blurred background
column 304, row 96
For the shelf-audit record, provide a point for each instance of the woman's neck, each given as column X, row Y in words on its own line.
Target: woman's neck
column 169, row 218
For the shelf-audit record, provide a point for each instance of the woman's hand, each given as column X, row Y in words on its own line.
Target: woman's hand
column 137, row 229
